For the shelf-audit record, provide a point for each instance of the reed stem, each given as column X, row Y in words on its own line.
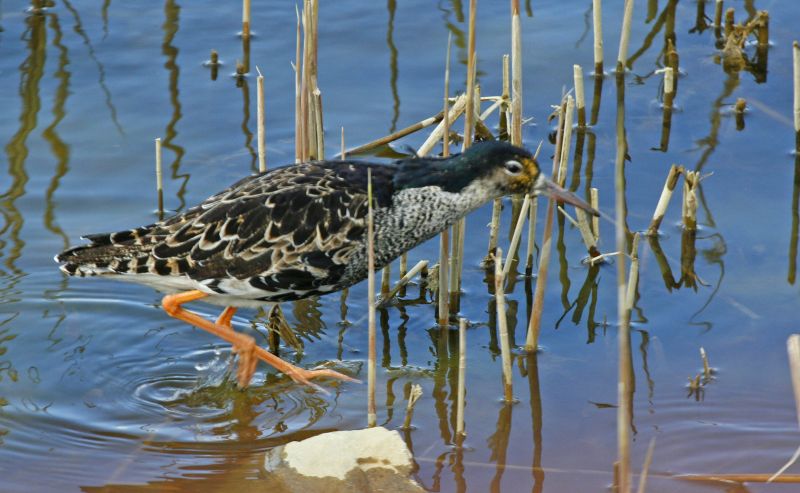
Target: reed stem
column 159, row 179
column 402, row 282
column 622, row 56
column 371, row 412
column 663, row 201
column 580, row 100
column 516, row 75
column 796, row 63
column 245, row 18
column 262, row 159
column 594, row 201
column 597, row 16
column 413, row 397
column 502, row 325
column 532, row 213
column 512, row 247
column 462, row 370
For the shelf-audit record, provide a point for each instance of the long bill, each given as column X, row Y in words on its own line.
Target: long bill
column 551, row 189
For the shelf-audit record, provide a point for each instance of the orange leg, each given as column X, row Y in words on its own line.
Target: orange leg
column 244, row 345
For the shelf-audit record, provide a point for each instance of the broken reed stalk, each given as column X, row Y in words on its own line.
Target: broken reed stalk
column 455, row 111
column 597, row 15
column 718, row 14
column 502, row 324
column 532, row 213
column 793, row 348
column 690, row 183
column 763, row 28
column 648, row 460
column 535, row 323
column 512, row 247
column 398, row 134
column 402, row 282
column 796, row 59
column 386, row 279
column 594, row 201
column 738, row 111
column 159, row 179
column 622, row 56
column 469, row 116
column 624, row 390
column 444, row 238
column 669, row 87
column 663, row 201
column 320, row 154
column 371, row 414
column 342, row 152
column 297, row 66
column 580, row 100
column 262, row 159
column 582, row 223
column 566, row 142
column 516, row 75
column 706, row 367
column 245, row 18
column 462, row 370
column 413, row 397
column 730, row 20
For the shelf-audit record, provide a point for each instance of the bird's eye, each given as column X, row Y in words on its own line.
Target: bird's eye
column 513, row 167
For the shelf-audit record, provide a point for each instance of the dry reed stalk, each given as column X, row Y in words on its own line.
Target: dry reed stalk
column 663, row 201
column 706, row 367
column 304, row 82
column 386, row 279
column 669, row 87
column 159, row 179
column 648, row 460
column 594, row 201
column 469, row 116
column 622, row 56
column 462, row 370
column 402, row 282
column 502, row 324
column 586, row 232
column 342, row 152
column 398, row 134
column 624, row 390
column 580, row 100
column 796, row 59
column 532, row 213
column 435, row 136
column 516, row 75
column 512, row 247
column 690, row 183
column 456, row 262
column 729, row 21
column 739, row 478
column 444, row 238
column 505, row 118
column 371, row 413
column 597, row 16
column 262, row 159
column 403, row 270
column 566, row 142
column 793, row 348
column 298, row 66
column 718, row 14
column 443, row 291
column 320, row 154
column 245, row 18
column 535, row 323
column 413, row 397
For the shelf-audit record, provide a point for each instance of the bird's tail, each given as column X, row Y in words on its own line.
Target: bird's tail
column 122, row 252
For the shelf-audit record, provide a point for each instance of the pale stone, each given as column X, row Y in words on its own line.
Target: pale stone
column 362, row 461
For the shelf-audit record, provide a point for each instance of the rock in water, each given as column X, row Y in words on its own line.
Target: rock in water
column 358, row 461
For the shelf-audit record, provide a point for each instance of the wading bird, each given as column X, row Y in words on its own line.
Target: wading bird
column 301, row 231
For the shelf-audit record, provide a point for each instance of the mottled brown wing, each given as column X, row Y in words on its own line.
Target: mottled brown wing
column 289, row 230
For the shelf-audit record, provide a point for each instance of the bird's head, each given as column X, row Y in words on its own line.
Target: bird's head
column 488, row 169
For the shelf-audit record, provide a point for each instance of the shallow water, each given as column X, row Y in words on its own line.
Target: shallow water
column 99, row 388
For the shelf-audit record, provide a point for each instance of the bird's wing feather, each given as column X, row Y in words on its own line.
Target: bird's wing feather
column 291, row 229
